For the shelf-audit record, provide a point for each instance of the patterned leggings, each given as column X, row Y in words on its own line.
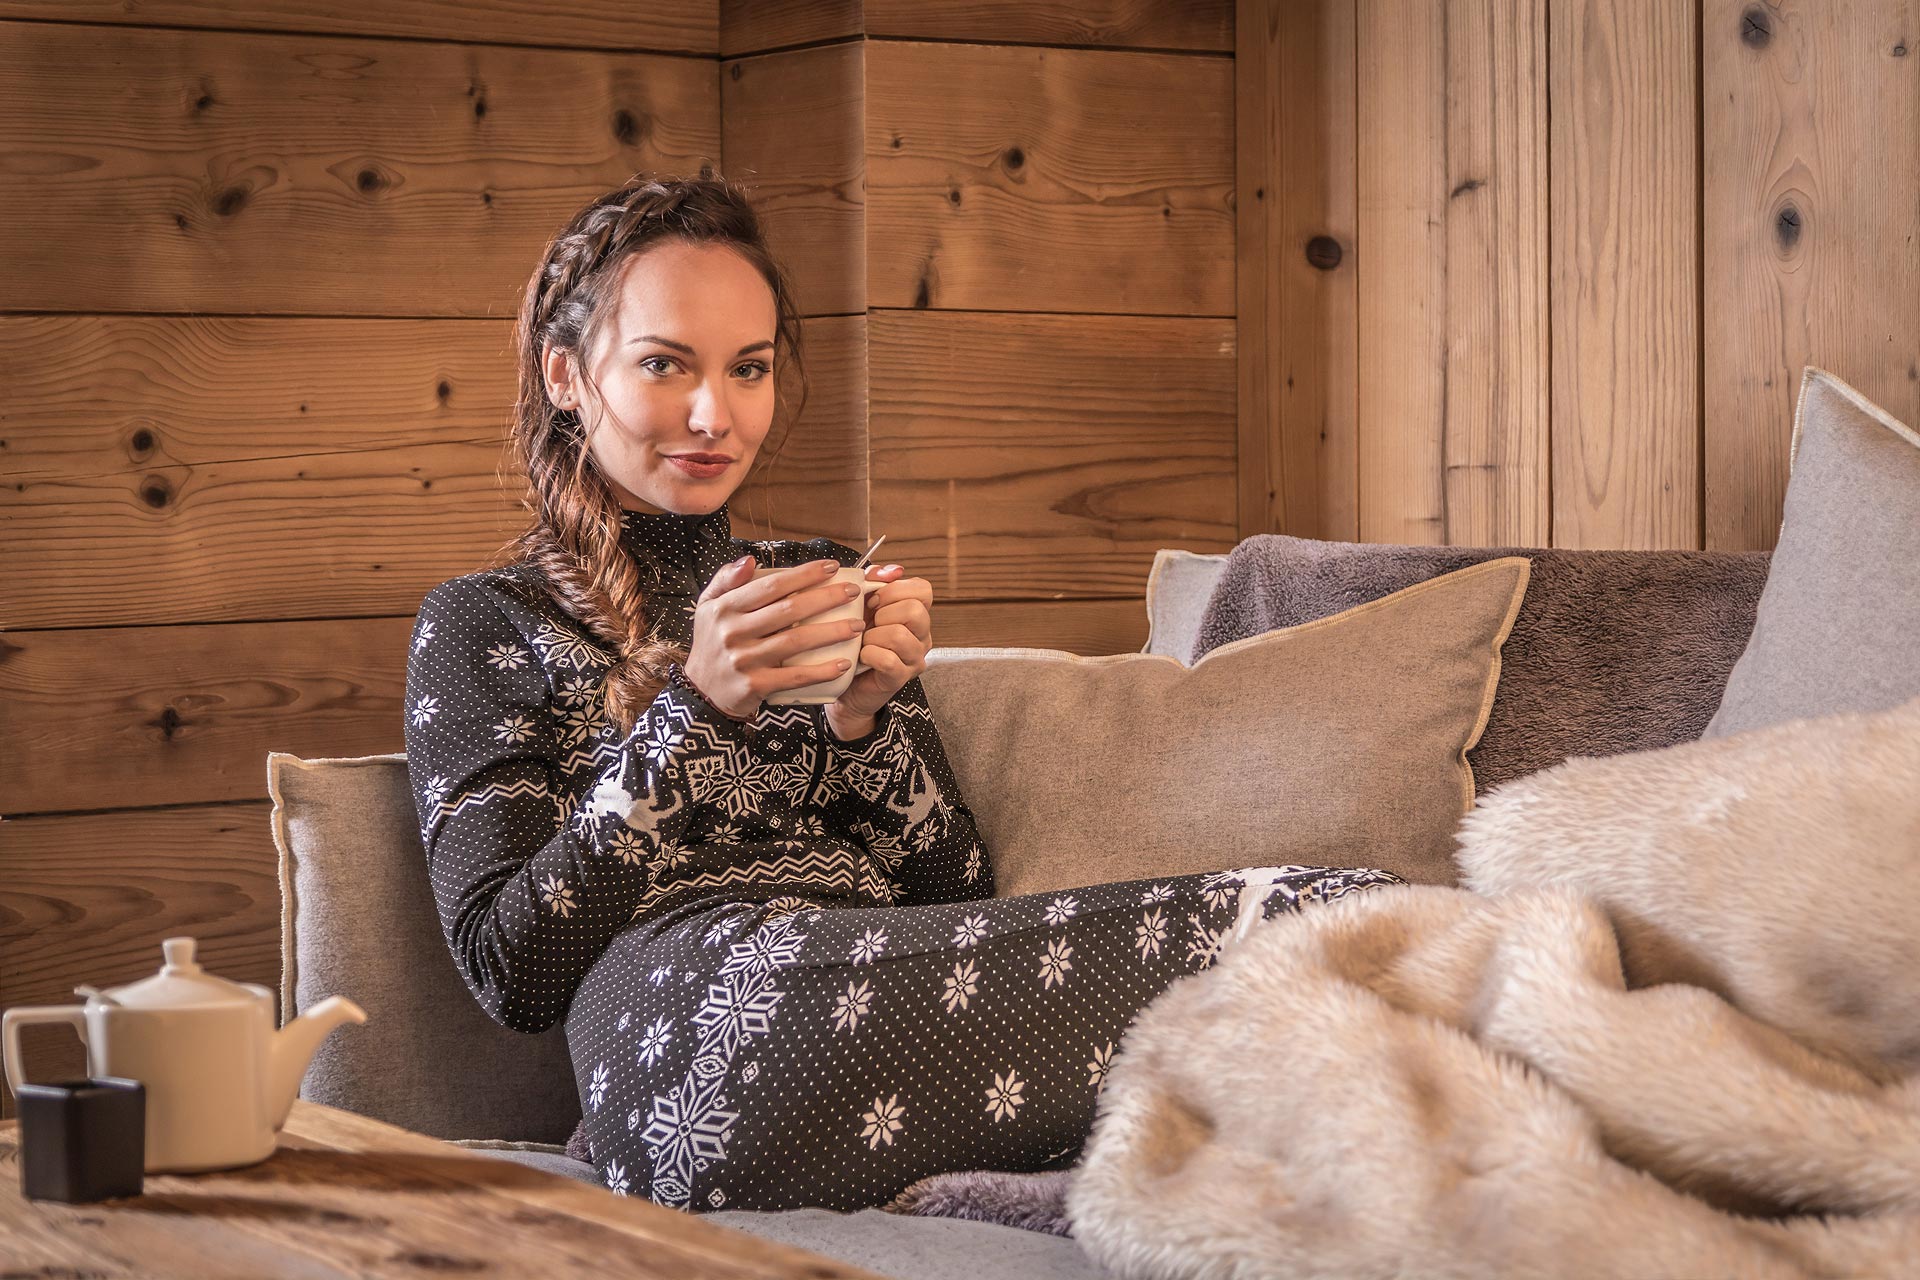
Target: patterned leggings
column 796, row 1054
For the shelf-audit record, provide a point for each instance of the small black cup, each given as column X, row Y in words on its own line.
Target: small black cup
column 82, row 1140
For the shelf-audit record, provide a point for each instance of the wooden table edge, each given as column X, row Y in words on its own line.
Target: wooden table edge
column 685, row 1236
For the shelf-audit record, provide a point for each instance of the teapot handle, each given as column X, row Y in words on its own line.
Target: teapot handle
column 14, row 1019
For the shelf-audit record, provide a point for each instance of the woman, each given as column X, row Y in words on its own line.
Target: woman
column 770, row 929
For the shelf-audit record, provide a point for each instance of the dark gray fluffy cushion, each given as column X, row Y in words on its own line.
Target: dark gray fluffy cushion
column 1612, row 651
column 1034, row 1201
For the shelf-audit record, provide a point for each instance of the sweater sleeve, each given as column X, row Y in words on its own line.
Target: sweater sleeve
column 529, row 889
column 895, row 789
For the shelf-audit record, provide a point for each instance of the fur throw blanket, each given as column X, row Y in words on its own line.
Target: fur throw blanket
column 1419, row 1080
column 1422, row 1081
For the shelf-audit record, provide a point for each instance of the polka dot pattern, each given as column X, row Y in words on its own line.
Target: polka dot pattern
column 798, row 1054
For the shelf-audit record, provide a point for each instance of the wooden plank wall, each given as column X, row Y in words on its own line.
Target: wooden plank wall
column 1022, row 218
column 256, row 290
column 1545, row 272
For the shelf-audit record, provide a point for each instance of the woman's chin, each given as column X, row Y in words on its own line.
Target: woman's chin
column 685, row 495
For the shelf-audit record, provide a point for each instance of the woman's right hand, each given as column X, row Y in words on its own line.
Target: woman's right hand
column 734, row 660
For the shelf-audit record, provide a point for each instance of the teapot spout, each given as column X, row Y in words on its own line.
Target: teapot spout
column 294, row 1046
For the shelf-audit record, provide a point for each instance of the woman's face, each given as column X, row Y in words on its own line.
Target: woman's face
column 683, row 365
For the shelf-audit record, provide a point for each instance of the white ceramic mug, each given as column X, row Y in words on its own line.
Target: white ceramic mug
column 848, row 648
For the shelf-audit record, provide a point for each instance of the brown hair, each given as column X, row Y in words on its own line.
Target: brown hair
column 574, row 539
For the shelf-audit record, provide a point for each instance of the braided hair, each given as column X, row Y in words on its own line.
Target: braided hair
column 573, row 541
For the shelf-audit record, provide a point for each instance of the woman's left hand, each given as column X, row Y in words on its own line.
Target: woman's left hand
column 893, row 648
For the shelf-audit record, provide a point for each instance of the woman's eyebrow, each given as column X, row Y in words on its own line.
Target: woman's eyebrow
column 683, row 347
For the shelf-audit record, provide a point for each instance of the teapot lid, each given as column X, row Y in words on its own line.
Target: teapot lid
column 180, row 982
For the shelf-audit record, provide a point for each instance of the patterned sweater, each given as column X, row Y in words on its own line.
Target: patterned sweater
column 547, row 833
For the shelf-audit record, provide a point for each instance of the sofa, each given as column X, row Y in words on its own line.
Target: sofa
column 1606, row 653
column 429, row 1059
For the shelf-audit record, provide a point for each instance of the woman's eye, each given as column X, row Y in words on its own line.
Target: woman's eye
column 653, row 360
column 759, row 370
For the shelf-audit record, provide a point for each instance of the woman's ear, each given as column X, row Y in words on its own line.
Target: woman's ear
column 557, row 367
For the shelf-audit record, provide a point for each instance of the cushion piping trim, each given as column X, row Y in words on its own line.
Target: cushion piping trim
column 1493, row 679
column 283, row 860
column 283, row 868
column 1853, row 395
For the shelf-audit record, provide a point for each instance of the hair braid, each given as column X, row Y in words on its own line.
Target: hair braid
column 573, row 541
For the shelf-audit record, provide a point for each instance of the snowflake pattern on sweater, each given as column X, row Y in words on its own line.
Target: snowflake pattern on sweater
column 547, row 833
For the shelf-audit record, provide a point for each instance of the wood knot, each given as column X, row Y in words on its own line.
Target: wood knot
column 1014, row 157
column 1323, row 253
column 1756, row 27
column 368, row 181
column 443, row 390
column 626, row 128
column 230, row 201
column 734, row 71
column 953, row 195
column 168, row 722
column 428, row 1261
column 1788, row 226
column 155, row 493
column 142, row 441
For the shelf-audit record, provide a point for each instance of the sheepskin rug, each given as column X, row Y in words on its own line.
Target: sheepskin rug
column 1779, row 868
column 1438, row 1082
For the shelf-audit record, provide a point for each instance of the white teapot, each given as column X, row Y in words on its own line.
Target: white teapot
column 219, row 1079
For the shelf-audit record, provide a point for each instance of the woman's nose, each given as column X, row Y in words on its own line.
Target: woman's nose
column 711, row 412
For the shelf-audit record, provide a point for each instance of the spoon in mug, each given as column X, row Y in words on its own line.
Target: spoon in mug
column 861, row 563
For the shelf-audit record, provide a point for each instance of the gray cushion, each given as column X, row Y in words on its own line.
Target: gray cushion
column 1178, row 587
column 357, row 919
column 889, row 1243
column 921, row 1248
column 544, row 1156
column 1838, row 628
column 1613, row 650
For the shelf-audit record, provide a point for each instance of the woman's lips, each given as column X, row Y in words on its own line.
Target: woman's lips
column 702, row 470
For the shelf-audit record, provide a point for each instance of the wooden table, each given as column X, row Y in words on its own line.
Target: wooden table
column 349, row 1196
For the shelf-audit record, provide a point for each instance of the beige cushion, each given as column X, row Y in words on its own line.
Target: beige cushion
column 1776, row 868
column 1838, row 628
column 357, row 919
column 1178, row 587
column 1340, row 742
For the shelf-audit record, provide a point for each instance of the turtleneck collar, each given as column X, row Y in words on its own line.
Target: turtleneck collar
column 682, row 549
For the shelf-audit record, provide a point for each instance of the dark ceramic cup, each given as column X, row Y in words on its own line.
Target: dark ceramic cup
column 82, row 1140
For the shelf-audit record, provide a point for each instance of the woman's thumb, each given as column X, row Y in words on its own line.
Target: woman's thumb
column 730, row 575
